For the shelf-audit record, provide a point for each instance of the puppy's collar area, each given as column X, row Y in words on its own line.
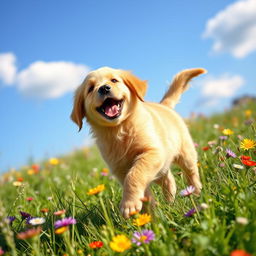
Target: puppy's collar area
column 111, row 108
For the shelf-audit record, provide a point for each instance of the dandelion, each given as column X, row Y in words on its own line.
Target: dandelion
column 238, row 166
column 96, row 244
column 242, row 220
column 227, row 132
column 239, row 253
column 120, row 243
column 54, row 161
column 61, row 230
column 96, row 190
column 36, row 221
column 230, row 153
column 64, row 222
column 188, row 191
column 145, row 236
column 142, row 219
column 60, row 212
column 29, row 233
column 247, row 144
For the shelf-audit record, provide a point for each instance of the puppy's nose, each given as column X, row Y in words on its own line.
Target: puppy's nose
column 104, row 89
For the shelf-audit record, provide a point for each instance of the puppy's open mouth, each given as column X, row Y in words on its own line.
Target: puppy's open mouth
column 111, row 108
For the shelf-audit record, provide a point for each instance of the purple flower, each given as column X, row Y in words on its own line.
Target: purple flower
column 64, row 222
column 24, row 215
column 11, row 219
column 145, row 236
column 190, row 212
column 230, row 153
column 223, row 137
column 187, row 191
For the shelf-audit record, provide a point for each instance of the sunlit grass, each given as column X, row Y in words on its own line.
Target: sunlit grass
column 207, row 225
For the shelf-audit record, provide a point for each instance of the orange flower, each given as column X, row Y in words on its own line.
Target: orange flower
column 96, row 244
column 142, row 219
column 44, row 210
column 239, row 253
column 60, row 212
column 61, row 230
column 96, row 190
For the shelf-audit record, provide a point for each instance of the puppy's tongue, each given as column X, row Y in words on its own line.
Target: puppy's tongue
column 111, row 111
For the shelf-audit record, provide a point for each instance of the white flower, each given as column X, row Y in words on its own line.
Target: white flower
column 36, row 221
column 242, row 220
column 187, row 191
column 238, row 166
column 204, row 206
column 216, row 126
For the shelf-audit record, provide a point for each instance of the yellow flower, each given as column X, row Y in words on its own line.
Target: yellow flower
column 227, row 132
column 30, row 172
column 17, row 183
column 247, row 144
column 248, row 113
column 142, row 219
column 61, row 230
column 120, row 243
column 54, row 161
column 96, row 190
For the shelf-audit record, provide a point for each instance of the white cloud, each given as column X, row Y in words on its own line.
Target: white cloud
column 224, row 86
column 50, row 79
column 234, row 29
column 7, row 68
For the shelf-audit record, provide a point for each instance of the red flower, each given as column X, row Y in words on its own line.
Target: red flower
column 249, row 162
column 29, row 199
column 205, row 148
column 245, row 157
column 96, row 244
column 35, row 167
column 239, row 253
column 20, row 179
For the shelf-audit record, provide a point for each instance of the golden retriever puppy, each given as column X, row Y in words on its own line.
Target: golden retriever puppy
column 138, row 140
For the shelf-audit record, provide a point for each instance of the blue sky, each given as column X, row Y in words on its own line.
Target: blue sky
column 47, row 47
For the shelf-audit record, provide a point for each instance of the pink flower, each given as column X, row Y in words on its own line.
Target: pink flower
column 187, row 191
column 145, row 236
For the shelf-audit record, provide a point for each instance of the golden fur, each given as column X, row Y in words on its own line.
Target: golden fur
column 141, row 143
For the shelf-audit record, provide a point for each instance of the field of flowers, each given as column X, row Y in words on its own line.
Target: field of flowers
column 69, row 205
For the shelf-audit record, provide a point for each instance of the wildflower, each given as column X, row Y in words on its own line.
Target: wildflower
column 204, row 206
column 187, row 191
column 96, row 190
column 24, row 215
column 230, row 153
column 44, row 210
column 11, row 219
column 238, row 166
column 17, row 183
column 216, row 126
column 212, row 142
column 20, row 179
column 242, row 220
column 36, row 221
column 227, row 132
column 61, row 230
column 120, row 243
column 29, row 199
column 29, row 233
column 248, row 113
column 96, row 244
column 245, row 157
column 239, row 253
column 247, row 144
column 142, row 219
column 49, row 198
column 60, row 212
column 223, row 137
column 30, row 172
column 35, row 168
column 54, row 161
column 249, row 162
column 205, row 148
column 64, row 222
column 1, row 251
column 190, row 212
column 222, row 165
column 196, row 145
column 104, row 172
column 145, row 236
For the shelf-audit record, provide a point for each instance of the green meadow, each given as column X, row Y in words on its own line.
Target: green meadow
column 221, row 221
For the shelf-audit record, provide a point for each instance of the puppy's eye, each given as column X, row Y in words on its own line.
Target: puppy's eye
column 91, row 88
column 113, row 80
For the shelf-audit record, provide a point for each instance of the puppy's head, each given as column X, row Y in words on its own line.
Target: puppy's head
column 107, row 96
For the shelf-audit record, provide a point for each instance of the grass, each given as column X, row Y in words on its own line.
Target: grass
column 228, row 193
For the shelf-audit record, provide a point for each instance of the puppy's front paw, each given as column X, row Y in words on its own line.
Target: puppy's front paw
column 128, row 207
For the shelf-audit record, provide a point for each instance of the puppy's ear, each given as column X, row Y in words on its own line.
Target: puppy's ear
column 78, row 112
column 136, row 85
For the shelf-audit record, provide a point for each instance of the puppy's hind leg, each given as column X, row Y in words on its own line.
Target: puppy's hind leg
column 187, row 160
column 168, row 184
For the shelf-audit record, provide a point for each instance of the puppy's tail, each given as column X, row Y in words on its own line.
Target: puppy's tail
column 180, row 85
